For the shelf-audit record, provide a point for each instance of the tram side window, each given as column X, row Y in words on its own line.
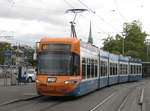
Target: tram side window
column 102, row 68
column 76, row 64
column 114, row 69
column 120, row 69
column 123, row 69
column 95, row 67
column 105, row 67
column 126, row 69
column 92, row 68
column 83, row 68
column 132, row 69
column 88, row 68
column 111, row 69
column 140, row 69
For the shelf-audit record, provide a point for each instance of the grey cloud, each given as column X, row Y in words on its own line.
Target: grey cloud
column 49, row 15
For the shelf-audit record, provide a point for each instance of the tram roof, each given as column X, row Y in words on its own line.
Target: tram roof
column 61, row 40
column 123, row 58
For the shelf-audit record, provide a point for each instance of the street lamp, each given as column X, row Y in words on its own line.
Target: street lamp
column 123, row 37
column 147, row 43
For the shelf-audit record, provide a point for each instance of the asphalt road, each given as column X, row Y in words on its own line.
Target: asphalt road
column 123, row 97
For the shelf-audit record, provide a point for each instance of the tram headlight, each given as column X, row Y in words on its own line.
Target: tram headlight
column 38, row 81
column 70, row 82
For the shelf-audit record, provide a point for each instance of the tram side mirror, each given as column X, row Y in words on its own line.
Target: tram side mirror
column 35, row 51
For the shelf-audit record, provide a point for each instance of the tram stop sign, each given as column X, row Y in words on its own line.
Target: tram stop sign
column 7, row 57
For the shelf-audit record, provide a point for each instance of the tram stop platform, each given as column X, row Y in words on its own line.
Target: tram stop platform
column 10, row 94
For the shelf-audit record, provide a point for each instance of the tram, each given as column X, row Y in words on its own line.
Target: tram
column 71, row 67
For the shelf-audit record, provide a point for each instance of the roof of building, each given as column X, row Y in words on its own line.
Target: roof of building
column 3, row 42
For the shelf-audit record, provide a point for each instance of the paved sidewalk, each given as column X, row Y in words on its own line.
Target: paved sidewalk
column 13, row 93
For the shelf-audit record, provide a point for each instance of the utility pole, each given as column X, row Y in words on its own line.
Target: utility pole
column 147, row 50
column 123, row 37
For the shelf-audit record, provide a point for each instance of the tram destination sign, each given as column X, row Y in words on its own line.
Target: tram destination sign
column 56, row 47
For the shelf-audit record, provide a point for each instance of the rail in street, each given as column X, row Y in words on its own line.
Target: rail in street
column 122, row 97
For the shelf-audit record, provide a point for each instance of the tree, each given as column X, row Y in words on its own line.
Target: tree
column 113, row 45
column 134, row 41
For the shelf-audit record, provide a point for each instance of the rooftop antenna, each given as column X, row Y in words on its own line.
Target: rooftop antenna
column 75, row 11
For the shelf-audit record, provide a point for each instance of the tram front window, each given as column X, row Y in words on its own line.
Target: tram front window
column 55, row 63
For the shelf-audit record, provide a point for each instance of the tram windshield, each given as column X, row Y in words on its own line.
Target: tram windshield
column 55, row 63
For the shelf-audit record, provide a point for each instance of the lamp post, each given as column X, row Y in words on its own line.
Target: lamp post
column 123, row 37
column 147, row 51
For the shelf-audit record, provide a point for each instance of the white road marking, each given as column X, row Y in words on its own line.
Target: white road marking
column 122, row 104
column 142, row 96
column 105, row 100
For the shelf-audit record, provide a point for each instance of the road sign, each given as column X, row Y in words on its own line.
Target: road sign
column 7, row 57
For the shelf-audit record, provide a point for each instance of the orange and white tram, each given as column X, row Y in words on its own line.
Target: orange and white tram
column 70, row 67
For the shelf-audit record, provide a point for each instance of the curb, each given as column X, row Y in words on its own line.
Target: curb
column 141, row 97
column 19, row 100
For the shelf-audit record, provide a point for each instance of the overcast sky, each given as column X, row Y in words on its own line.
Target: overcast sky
column 30, row 20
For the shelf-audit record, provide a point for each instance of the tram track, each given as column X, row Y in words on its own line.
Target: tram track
column 131, row 100
column 126, row 94
column 104, row 101
column 124, row 101
column 19, row 100
column 120, row 93
column 41, row 103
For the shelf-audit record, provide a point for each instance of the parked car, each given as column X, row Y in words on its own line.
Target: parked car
column 30, row 75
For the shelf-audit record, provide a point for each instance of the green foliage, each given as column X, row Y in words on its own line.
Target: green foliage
column 134, row 41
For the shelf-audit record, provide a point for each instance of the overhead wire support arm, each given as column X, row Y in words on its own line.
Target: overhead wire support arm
column 75, row 11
